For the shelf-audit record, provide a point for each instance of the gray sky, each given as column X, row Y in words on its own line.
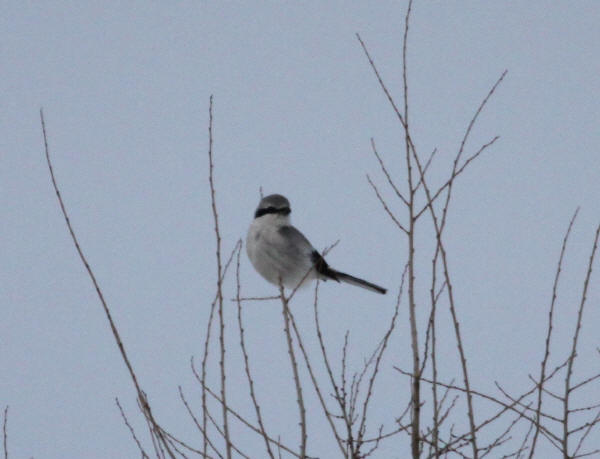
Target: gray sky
column 125, row 90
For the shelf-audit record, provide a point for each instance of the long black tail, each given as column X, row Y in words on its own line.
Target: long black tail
column 359, row 282
column 328, row 273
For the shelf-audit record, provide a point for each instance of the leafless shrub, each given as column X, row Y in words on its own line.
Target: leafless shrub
column 514, row 425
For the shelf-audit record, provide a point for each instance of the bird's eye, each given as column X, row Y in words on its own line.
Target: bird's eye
column 270, row 209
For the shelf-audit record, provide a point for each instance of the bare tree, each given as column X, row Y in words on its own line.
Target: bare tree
column 440, row 417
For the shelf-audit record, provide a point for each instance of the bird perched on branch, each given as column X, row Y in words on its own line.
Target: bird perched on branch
column 283, row 256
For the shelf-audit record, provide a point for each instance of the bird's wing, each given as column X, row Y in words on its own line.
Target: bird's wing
column 297, row 239
column 294, row 241
column 296, row 245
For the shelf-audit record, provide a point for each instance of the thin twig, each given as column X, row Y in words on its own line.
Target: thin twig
column 506, row 406
column 526, row 407
column 426, row 167
column 439, row 228
column 416, row 382
column 213, row 306
column 313, row 378
column 245, row 354
column 586, row 433
column 568, row 388
column 464, row 141
column 233, row 447
column 139, row 445
column 206, row 441
column 175, row 442
column 434, row 389
column 294, row 363
column 4, row 432
column 500, row 439
column 362, row 428
column 219, row 276
column 113, row 327
column 455, row 174
column 257, row 298
column 153, row 437
column 243, row 420
column 386, row 173
column 381, row 83
column 523, row 447
column 549, row 334
column 385, row 206
column 402, row 428
column 197, row 424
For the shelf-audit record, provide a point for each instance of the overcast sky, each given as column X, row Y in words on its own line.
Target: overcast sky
column 125, row 89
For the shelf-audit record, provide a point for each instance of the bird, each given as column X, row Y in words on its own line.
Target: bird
column 282, row 255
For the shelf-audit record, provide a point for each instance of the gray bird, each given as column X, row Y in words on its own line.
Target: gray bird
column 281, row 254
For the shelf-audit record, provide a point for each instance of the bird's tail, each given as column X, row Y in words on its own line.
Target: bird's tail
column 359, row 282
column 326, row 272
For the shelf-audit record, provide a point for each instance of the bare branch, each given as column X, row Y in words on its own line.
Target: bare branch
column 474, row 119
column 216, row 426
column 585, row 382
column 386, row 173
column 427, row 164
column 207, row 345
column 381, row 83
column 213, row 202
column 456, row 174
column 139, row 445
column 591, row 453
column 362, row 428
column 505, row 407
column 568, row 388
column 524, row 406
column 243, row 420
column 299, row 397
column 313, row 378
column 589, row 427
column 197, row 424
column 385, row 206
column 113, row 327
column 257, row 298
column 549, row 334
column 464, row 141
column 4, row 432
column 439, row 228
column 245, row 354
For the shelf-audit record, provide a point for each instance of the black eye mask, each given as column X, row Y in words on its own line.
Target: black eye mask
column 272, row 210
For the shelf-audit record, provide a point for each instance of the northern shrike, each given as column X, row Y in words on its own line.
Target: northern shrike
column 282, row 255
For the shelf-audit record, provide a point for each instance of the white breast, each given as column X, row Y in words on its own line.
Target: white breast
column 276, row 257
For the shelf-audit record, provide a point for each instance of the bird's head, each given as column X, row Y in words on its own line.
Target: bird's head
column 274, row 206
